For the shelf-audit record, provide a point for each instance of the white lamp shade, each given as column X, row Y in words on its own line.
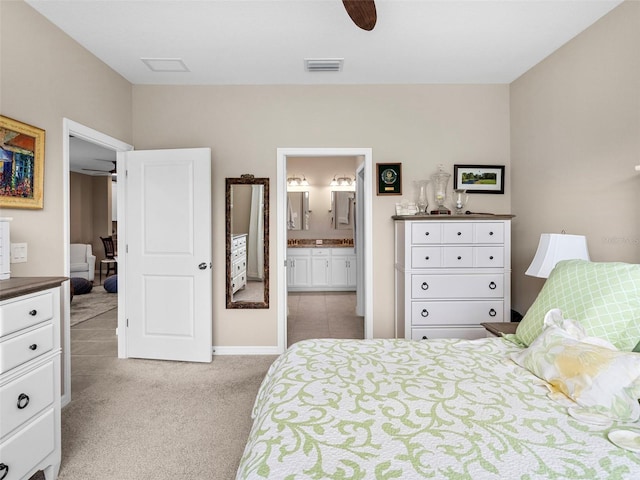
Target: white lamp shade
column 554, row 247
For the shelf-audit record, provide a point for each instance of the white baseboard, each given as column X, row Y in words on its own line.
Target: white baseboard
column 246, row 350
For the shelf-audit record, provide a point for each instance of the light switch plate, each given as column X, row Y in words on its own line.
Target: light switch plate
column 18, row 253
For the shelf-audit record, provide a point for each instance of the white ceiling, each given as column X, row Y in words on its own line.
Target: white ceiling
column 90, row 159
column 243, row 42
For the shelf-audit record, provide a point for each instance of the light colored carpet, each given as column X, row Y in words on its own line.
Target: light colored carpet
column 157, row 420
column 89, row 305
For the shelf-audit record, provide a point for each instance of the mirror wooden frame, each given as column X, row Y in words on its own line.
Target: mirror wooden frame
column 247, row 180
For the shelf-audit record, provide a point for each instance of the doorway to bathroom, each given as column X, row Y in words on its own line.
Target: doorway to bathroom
column 324, row 211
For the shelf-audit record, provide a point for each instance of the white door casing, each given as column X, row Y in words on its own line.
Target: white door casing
column 364, row 256
column 167, row 276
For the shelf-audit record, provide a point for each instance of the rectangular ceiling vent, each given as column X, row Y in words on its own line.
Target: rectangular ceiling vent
column 323, row 64
column 176, row 65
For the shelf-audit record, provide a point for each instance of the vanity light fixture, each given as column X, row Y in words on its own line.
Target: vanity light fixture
column 297, row 181
column 342, row 181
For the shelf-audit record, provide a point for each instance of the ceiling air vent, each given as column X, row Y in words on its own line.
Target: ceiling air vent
column 323, row 64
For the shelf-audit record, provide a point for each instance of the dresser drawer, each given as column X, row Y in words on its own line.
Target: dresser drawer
column 23, row 398
column 457, row 257
column 238, row 253
column 29, row 446
column 320, row 252
column 23, row 348
column 239, row 266
column 427, row 232
column 456, row 312
column 489, row 233
column 239, row 242
column 457, row 286
column 24, row 312
column 458, row 232
column 468, row 333
column 426, row 257
column 487, row 257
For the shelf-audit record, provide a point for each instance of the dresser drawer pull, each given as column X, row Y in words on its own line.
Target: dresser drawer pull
column 491, row 257
column 490, row 233
column 426, row 233
column 426, row 258
column 424, row 312
column 459, row 257
column 33, row 313
column 23, row 401
column 493, row 285
column 424, row 337
column 4, row 469
column 492, row 313
column 459, row 233
column 33, row 346
column 424, row 286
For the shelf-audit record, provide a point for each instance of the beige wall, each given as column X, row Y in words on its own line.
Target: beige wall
column 420, row 126
column 575, row 138
column 44, row 77
column 80, row 208
column 90, row 211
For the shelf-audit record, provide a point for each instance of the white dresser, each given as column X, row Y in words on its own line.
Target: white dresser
column 452, row 273
column 238, row 262
column 29, row 377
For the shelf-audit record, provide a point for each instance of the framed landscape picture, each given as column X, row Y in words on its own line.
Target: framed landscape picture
column 389, row 177
column 21, row 164
column 479, row 178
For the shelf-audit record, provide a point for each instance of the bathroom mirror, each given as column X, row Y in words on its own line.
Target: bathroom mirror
column 298, row 212
column 343, row 210
column 247, row 239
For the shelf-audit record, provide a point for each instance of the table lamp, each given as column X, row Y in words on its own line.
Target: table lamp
column 554, row 247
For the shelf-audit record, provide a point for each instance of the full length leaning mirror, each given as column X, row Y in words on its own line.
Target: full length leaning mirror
column 247, row 239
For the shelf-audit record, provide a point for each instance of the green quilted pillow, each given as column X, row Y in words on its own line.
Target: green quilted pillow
column 603, row 297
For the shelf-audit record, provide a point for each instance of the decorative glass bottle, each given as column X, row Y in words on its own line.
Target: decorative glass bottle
column 460, row 200
column 422, row 201
column 440, row 183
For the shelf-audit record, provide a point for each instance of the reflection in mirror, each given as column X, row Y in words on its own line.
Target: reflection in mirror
column 247, row 240
column 298, row 212
column 343, row 210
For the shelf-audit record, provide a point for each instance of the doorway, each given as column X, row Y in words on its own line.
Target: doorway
column 321, row 298
column 71, row 129
column 364, row 230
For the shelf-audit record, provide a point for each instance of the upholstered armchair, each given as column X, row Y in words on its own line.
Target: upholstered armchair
column 83, row 262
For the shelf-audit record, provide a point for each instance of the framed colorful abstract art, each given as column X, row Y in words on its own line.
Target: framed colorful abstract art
column 21, row 164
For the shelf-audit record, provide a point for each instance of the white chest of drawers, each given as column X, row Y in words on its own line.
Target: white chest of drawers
column 238, row 262
column 451, row 274
column 30, row 377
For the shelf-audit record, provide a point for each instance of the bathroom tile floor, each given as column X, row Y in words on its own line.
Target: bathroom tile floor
column 323, row 315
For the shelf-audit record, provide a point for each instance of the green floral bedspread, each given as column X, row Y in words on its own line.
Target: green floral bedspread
column 442, row 409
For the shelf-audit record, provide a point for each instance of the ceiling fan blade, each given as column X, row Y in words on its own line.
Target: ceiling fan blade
column 362, row 12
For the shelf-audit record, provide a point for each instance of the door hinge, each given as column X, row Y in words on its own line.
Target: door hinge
column 127, row 323
column 126, row 248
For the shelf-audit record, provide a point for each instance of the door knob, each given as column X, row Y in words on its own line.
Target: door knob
column 202, row 266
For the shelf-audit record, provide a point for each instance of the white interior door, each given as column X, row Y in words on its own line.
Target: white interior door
column 168, row 254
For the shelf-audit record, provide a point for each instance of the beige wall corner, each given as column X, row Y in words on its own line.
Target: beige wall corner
column 575, row 138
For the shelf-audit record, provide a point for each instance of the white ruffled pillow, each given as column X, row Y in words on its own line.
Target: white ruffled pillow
column 588, row 370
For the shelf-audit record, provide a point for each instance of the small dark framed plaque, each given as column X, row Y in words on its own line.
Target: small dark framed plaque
column 389, row 177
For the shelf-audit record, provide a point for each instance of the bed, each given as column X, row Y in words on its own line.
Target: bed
column 446, row 409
